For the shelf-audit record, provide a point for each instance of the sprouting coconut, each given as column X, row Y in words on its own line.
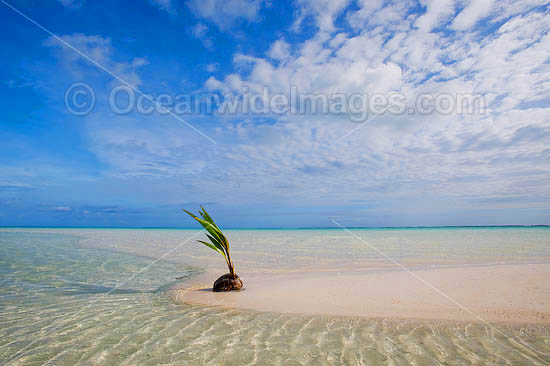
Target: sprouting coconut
column 218, row 242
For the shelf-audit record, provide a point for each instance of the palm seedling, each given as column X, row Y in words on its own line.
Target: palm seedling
column 220, row 244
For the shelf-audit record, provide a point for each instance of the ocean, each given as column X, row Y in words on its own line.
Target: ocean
column 98, row 297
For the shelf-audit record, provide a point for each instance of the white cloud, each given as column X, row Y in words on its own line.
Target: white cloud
column 225, row 13
column 437, row 11
column 166, row 5
column 457, row 158
column 62, row 208
column 393, row 161
column 473, row 12
column 211, row 67
column 503, row 9
column 14, row 84
column 200, row 31
column 323, row 11
column 100, row 50
column 279, row 50
column 380, row 13
column 74, row 4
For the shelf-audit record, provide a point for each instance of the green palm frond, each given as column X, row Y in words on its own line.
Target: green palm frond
column 212, row 247
column 210, row 227
column 219, row 242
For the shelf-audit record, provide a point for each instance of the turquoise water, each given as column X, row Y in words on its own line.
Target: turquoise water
column 95, row 297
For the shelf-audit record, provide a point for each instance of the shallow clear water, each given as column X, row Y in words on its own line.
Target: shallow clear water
column 95, row 296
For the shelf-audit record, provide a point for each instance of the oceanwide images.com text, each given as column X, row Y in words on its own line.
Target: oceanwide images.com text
column 80, row 99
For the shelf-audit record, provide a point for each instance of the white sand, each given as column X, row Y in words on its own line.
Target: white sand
column 500, row 293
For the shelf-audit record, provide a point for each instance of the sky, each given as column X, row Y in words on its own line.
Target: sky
column 103, row 165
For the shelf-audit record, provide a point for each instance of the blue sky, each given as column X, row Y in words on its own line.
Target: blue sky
column 276, row 170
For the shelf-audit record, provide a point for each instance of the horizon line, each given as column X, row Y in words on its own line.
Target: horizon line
column 274, row 228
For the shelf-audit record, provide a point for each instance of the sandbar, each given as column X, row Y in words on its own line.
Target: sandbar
column 513, row 293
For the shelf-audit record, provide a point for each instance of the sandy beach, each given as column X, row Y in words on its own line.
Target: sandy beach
column 497, row 293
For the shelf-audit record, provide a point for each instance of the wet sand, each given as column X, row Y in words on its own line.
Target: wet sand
column 518, row 293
